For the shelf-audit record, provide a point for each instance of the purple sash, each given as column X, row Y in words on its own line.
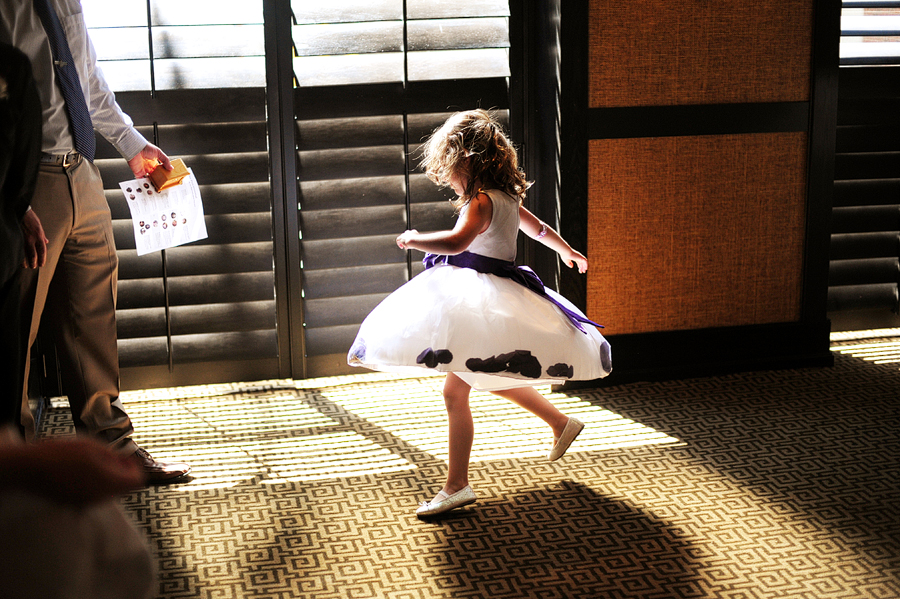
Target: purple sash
column 508, row 270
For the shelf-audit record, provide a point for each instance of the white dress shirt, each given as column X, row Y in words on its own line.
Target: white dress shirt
column 21, row 27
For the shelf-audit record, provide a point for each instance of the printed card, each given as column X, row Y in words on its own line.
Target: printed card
column 164, row 219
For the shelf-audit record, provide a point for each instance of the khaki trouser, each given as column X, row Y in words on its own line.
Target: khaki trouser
column 76, row 294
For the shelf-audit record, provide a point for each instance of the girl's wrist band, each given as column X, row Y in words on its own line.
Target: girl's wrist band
column 543, row 231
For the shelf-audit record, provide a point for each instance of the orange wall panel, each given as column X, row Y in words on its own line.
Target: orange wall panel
column 655, row 53
column 695, row 232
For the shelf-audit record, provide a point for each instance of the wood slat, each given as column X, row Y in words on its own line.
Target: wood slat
column 458, row 64
column 347, row 11
column 180, row 74
column 115, row 13
column 454, row 34
column 354, row 280
column 202, row 318
column 144, row 351
column 867, row 138
column 219, row 318
column 357, row 222
column 213, row 138
column 350, row 310
column 132, row 266
column 379, row 10
column 221, row 289
column 868, row 83
column 236, row 198
column 188, row 260
column 432, row 217
column 130, row 43
column 208, row 41
column 352, row 193
column 172, row 107
column 348, row 38
column 865, row 219
column 357, row 251
column 350, row 132
column 863, row 297
column 374, row 161
column 206, row 12
column 348, row 69
column 140, row 293
column 423, row 9
column 885, row 111
column 331, row 340
column 426, row 97
column 867, row 165
column 866, row 192
column 142, row 322
column 243, row 345
column 120, row 43
column 853, row 246
column 423, row 191
column 867, row 271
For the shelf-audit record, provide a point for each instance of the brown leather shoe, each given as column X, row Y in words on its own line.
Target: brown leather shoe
column 160, row 473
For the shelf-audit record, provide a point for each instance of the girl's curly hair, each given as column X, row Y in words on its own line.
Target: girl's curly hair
column 474, row 143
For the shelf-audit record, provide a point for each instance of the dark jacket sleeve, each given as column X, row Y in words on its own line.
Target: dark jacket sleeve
column 20, row 149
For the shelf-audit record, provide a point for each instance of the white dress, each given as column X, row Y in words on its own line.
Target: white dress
column 492, row 331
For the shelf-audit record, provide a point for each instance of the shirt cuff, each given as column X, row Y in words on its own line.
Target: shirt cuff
column 131, row 144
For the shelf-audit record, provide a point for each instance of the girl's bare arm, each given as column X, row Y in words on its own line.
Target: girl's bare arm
column 473, row 220
column 532, row 226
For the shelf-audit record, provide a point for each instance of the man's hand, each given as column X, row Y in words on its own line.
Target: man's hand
column 35, row 241
column 147, row 160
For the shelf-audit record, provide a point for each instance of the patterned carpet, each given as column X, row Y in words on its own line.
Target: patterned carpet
column 756, row 485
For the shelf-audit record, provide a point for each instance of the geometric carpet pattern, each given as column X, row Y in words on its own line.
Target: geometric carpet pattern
column 754, row 485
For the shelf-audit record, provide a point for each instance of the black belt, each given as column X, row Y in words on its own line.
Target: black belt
column 63, row 160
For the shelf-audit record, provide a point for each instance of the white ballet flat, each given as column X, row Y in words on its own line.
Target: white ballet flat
column 444, row 503
column 573, row 427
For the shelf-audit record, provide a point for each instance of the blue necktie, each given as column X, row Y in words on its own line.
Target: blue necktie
column 67, row 78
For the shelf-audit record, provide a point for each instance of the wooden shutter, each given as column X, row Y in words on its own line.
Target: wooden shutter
column 865, row 240
column 864, row 271
column 192, row 76
column 870, row 32
column 372, row 81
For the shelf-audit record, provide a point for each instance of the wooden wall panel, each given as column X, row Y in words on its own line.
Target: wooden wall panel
column 696, row 232
column 652, row 53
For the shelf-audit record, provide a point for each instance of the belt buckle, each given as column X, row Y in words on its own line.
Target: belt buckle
column 69, row 159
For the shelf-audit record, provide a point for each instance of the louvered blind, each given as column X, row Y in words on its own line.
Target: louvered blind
column 865, row 241
column 870, row 32
column 373, row 79
column 205, row 311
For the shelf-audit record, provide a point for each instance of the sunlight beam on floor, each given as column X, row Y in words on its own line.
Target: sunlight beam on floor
column 275, row 431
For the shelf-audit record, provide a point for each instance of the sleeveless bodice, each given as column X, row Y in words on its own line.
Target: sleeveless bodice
column 499, row 240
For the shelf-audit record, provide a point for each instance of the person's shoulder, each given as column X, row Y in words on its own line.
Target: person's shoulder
column 15, row 71
column 13, row 59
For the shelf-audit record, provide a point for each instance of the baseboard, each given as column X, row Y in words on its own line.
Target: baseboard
column 708, row 352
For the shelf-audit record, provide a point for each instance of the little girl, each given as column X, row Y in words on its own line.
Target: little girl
column 472, row 313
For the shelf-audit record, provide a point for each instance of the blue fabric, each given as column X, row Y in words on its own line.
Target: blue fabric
column 67, row 78
column 522, row 275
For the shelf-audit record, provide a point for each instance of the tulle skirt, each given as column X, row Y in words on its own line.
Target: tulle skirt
column 491, row 331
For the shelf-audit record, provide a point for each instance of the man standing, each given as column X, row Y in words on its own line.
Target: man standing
column 20, row 151
column 71, row 261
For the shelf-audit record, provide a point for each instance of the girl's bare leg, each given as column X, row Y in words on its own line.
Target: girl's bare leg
column 537, row 404
column 462, row 432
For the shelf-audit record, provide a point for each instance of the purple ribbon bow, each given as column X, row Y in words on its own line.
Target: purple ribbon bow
column 522, row 275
